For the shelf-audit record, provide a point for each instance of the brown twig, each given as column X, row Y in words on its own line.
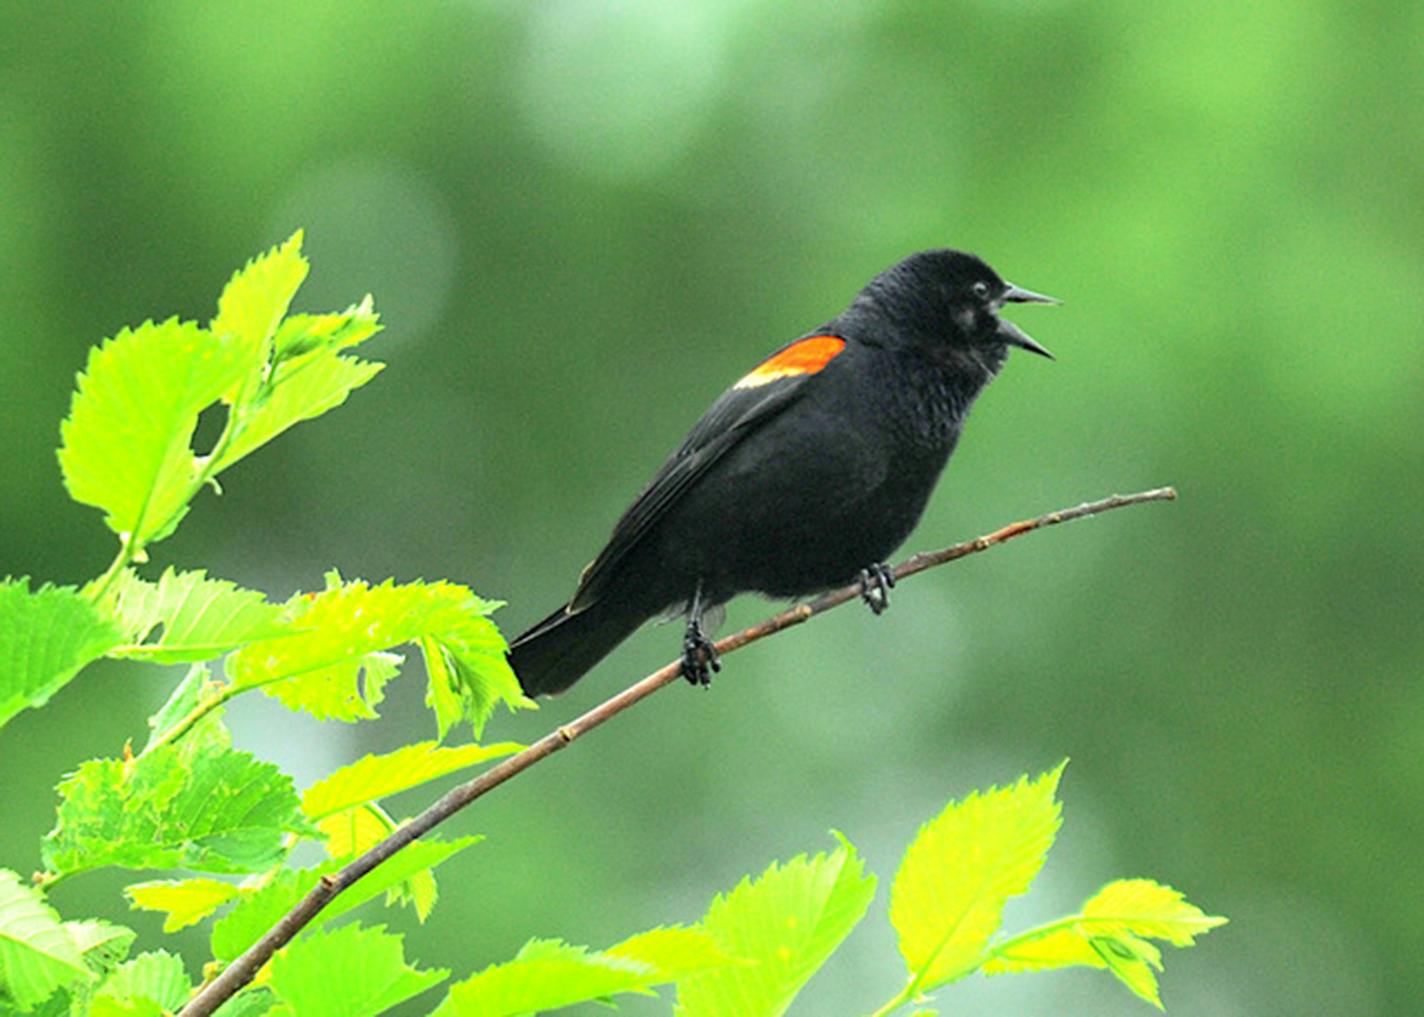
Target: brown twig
column 242, row 970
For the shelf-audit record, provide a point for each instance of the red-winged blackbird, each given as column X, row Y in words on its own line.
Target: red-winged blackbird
column 807, row 472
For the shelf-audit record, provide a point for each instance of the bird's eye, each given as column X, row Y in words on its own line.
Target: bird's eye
column 981, row 290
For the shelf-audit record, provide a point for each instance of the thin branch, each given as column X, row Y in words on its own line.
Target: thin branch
column 242, row 970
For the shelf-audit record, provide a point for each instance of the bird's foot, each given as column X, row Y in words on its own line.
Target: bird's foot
column 875, row 585
column 699, row 656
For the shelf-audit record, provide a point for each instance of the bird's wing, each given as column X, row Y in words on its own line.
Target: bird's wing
column 768, row 389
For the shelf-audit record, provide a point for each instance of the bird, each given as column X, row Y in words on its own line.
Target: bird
column 805, row 475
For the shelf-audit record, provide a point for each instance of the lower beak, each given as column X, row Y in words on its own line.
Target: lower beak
column 1015, row 336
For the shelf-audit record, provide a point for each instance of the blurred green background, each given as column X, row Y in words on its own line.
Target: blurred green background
column 582, row 220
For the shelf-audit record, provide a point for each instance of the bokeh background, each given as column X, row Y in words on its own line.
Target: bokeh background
column 582, row 220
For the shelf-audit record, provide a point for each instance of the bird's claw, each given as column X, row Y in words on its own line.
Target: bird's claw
column 875, row 585
column 699, row 657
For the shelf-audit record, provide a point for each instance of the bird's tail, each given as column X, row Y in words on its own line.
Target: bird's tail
column 558, row 651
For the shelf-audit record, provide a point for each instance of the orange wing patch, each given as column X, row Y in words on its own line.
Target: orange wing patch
column 807, row 356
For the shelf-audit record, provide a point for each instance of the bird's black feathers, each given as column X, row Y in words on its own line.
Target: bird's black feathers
column 813, row 467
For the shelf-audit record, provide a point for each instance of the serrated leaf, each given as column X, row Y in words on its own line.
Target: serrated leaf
column 258, row 295
column 102, row 945
column 469, row 676
column 38, row 956
column 194, row 691
column 1111, row 931
column 1060, row 948
column 321, row 669
column 300, row 334
column 949, row 894
column 786, row 923
column 185, row 902
column 400, row 878
column 45, row 638
column 1142, row 907
column 252, row 1002
column 301, row 389
column 217, row 811
column 127, row 442
column 258, row 910
column 546, row 974
column 356, row 830
column 1131, row 964
column 376, row 776
column 349, row 972
column 201, row 618
column 151, row 985
column 674, row 951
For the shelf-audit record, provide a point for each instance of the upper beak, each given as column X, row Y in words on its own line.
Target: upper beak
column 1019, row 295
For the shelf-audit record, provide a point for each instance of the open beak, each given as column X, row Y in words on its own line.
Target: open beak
column 1011, row 333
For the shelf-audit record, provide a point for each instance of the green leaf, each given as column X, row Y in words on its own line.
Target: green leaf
column 673, row 951
column 102, row 945
column 469, row 676
column 151, row 985
column 201, row 618
column 350, row 972
column 301, row 389
column 185, row 902
column 250, row 1002
column 193, row 691
column 1110, row 932
column 321, row 669
column 38, row 956
column 787, row 923
column 45, row 638
column 218, row 811
column 358, row 829
column 949, row 895
column 300, row 334
column 127, row 440
column 374, row 777
column 257, row 296
column 546, row 974
column 258, row 910
column 399, row 879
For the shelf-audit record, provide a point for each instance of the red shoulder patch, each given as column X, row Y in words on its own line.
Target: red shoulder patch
column 806, row 356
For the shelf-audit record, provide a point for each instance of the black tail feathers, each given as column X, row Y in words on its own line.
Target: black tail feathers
column 558, row 651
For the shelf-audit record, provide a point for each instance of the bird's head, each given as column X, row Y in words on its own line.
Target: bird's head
column 951, row 300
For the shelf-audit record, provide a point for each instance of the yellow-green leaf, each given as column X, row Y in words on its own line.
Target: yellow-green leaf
column 377, row 776
column 349, row 972
column 185, row 901
column 784, row 925
column 37, row 955
column 126, row 444
column 257, row 296
column 1112, row 931
column 949, row 894
column 201, row 618
column 347, row 625
column 46, row 636
column 1145, row 908
column 546, row 975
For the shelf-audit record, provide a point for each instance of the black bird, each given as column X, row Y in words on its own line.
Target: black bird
column 808, row 472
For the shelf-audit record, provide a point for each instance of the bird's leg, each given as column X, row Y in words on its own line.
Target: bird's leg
column 875, row 585
column 699, row 656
